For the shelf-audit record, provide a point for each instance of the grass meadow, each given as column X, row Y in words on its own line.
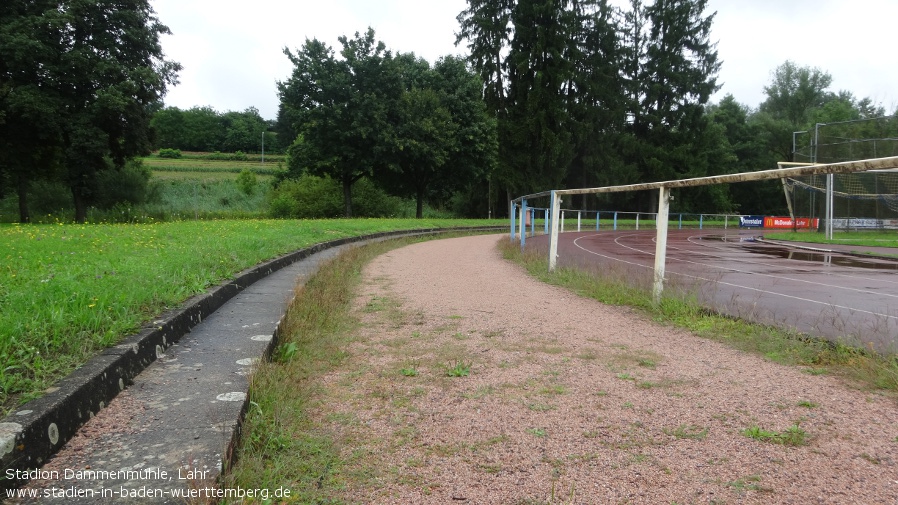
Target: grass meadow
column 68, row 291
column 200, row 163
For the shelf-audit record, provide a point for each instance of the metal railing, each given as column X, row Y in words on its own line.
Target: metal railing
column 518, row 208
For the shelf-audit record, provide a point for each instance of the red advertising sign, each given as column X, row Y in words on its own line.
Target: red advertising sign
column 788, row 222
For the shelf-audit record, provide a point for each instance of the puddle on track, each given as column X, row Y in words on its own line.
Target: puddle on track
column 831, row 259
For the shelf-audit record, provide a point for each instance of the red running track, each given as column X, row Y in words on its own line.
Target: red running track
column 836, row 295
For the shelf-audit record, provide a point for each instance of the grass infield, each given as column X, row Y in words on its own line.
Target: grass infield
column 859, row 238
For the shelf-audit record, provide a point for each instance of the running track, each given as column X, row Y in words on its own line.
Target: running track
column 838, row 296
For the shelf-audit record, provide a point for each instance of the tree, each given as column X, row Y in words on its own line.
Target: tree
column 474, row 154
column 341, row 109
column 593, row 95
column 29, row 122
column 791, row 97
column 583, row 93
column 487, row 26
column 747, row 151
column 444, row 140
column 170, row 129
column 243, row 130
column 97, row 68
column 537, row 129
column 671, row 72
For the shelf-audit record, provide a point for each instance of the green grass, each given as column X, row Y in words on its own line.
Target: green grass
column 859, row 238
column 196, row 162
column 68, row 291
column 687, row 431
column 793, row 435
column 208, row 195
column 202, row 176
column 458, row 369
column 860, row 366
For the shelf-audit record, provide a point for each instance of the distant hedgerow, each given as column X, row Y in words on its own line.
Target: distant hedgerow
column 170, row 153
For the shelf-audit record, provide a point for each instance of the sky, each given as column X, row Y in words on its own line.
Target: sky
column 232, row 51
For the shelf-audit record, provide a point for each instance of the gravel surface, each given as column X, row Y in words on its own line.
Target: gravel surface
column 567, row 400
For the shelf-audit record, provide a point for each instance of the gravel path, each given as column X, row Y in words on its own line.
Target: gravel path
column 571, row 401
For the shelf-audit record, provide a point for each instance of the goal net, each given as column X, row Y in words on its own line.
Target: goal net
column 864, row 200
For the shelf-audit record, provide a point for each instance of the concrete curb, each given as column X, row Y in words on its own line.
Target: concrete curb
column 36, row 430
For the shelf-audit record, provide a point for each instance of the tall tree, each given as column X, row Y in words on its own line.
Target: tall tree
column 747, row 151
column 486, row 25
column 444, row 140
column 671, row 72
column 98, row 67
column 243, row 130
column 593, row 95
column 342, row 109
column 792, row 95
column 537, row 130
column 111, row 72
column 29, row 120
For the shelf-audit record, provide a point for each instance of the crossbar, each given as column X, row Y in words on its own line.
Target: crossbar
column 846, row 167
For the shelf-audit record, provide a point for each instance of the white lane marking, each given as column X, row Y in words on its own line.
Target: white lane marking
column 827, row 304
column 795, row 268
column 736, row 270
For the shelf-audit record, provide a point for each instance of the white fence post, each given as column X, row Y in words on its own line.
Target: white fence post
column 553, row 238
column 661, row 243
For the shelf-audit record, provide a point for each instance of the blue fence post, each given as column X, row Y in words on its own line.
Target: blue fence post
column 615, row 220
column 681, row 222
column 701, row 221
column 532, row 222
column 523, row 223
column 597, row 220
column 546, row 221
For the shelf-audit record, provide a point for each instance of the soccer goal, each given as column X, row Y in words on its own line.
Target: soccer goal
column 847, row 201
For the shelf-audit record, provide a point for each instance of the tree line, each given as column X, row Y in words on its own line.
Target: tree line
column 202, row 128
column 587, row 94
column 577, row 93
column 552, row 94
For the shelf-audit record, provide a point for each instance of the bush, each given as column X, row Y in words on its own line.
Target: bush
column 170, row 153
column 125, row 186
column 220, row 156
column 369, row 200
column 47, row 197
column 306, row 198
column 246, row 181
column 311, row 197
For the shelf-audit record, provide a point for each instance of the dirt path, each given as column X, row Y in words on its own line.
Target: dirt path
column 570, row 401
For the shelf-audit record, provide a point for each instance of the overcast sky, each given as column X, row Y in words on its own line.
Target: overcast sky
column 232, row 50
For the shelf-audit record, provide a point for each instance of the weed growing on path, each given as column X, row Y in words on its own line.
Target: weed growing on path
column 793, row 435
